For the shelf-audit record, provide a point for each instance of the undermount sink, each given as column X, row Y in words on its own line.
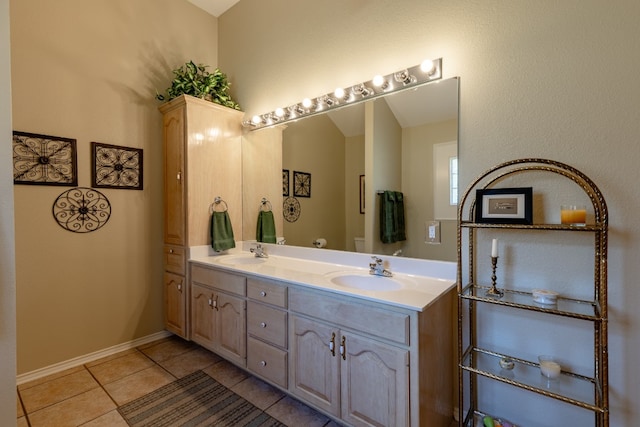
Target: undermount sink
column 366, row 282
column 241, row 259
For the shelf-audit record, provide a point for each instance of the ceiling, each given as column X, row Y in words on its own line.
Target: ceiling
column 214, row 7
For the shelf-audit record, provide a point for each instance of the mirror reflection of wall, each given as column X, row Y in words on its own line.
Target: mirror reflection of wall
column 391, row 141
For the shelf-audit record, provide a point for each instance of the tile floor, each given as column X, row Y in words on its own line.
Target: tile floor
column 88, row 395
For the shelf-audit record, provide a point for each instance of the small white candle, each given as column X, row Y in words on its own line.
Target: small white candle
column 494, row 248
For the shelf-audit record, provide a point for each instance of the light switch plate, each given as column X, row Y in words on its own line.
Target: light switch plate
column 432, row 232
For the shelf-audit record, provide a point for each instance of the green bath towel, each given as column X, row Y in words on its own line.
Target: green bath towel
column 392, row 228
column 266, row 229
column 221, row 232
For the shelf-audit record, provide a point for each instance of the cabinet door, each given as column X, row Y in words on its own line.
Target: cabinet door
column 375, row 382
column 175, row 304
column 230, row 327
column 174, row 179
column 202, row 316
column 314, row 369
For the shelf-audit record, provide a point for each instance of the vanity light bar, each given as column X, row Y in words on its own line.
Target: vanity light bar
column 427, row 71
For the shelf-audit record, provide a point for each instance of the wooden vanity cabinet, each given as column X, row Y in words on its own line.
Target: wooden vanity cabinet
column 218, row 312
column 196, row 135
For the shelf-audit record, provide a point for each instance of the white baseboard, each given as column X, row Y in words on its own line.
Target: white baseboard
column 76, row 361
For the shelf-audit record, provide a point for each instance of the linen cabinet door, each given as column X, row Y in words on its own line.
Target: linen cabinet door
column 230, row 327
column 202, row 316
column 375, row 382
column 175, row 301
column 314, row 364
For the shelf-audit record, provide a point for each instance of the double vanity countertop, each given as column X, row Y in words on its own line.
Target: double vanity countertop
column 415, row 283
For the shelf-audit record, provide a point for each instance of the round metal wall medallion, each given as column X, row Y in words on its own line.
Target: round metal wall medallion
column 291, row 209
column 81, row 210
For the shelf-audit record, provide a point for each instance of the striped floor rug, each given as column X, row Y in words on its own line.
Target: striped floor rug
column 195, row 400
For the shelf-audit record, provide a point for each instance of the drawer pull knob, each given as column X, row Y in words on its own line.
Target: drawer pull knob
column 263, row 325
column 343, row 349
column 170, row 251
column 263, row 294
column 263, row 363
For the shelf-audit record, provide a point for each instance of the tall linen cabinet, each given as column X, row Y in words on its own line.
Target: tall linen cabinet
column 202, row 161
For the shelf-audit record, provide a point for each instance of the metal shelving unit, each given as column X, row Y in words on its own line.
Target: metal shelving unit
column 588, row 392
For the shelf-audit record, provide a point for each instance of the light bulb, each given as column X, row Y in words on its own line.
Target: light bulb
column 279, row 112
column 339, row 92
column 256, row 120
column 306, row 103
column 378, row 80
column 427, row 66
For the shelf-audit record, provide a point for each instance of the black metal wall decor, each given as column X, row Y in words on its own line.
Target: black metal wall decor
column 285, row 182
column 44, row 160
column 291, row 209
column 81, row 210
column 301, row 184
column 113, row 166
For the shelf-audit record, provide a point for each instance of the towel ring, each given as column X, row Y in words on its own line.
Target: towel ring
column 217, row 202
column 266, row 203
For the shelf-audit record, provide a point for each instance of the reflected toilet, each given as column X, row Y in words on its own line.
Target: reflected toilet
column 359, row 241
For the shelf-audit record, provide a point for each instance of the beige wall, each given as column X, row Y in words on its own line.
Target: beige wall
column 553, row 79
column 7, row 236
column 89, row 71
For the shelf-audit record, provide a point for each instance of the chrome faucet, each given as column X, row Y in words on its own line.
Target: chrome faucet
column 259, row 251
column 377, row 268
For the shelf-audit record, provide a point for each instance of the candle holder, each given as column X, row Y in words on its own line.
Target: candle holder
column 494, row 291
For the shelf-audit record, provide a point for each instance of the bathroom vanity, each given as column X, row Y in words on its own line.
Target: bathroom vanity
column 320, row 331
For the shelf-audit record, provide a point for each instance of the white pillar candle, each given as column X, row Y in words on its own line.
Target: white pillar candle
column 494, row 248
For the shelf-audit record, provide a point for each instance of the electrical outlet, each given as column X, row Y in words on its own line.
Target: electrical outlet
column 432, row 234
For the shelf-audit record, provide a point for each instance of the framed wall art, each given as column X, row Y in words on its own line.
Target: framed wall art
column 44, row 160
column 285, row 182
column 301, row 184
column 113, row 166
column 504, row 205
column 361, row 194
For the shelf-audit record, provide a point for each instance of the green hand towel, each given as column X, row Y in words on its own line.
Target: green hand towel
column 266, row 229
column 221, row 232
column 392, row 228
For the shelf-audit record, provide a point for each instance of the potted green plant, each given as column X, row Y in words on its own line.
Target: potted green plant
column 195, row 80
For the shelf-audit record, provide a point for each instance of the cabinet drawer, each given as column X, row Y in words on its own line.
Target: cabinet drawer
column 174, row 259
column 267, row 361
column 390, row 325
column 267, row 292
column 221, row 280
column 267, row 323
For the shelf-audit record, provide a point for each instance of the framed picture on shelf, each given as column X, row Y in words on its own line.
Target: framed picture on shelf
column 504, row 205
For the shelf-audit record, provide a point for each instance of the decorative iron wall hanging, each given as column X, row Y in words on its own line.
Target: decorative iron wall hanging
column 285, row 182
column 113, row 166
column 301, row 184
column 44, row 160
column 81, row 210
column 291, row 209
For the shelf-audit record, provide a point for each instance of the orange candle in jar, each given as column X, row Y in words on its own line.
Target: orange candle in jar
column 570, row 214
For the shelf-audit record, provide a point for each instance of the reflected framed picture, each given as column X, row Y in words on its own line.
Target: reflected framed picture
column 361, row 194
column 285, row 182
column 301, row 184
column 504, row 205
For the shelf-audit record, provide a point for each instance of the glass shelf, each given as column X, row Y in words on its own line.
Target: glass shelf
column 571, row 388
column 565, row 227
column 579, row 309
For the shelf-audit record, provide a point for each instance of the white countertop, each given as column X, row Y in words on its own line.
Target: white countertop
column 422, row 281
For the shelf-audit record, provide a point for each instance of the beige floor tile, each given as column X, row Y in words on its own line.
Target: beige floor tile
column 57, row 390
column 293, row 413
column 22, row 422
column 167, row 349
column 191, row 361
column 19, row 405
column 258, row 392
column 138, row 384
column 48, row 378
column 74, row 411
column 120, row 367
column 110, row 419
column 226, row 373
column 111, row 357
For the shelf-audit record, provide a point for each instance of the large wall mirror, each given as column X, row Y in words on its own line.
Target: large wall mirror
column 338, row 163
